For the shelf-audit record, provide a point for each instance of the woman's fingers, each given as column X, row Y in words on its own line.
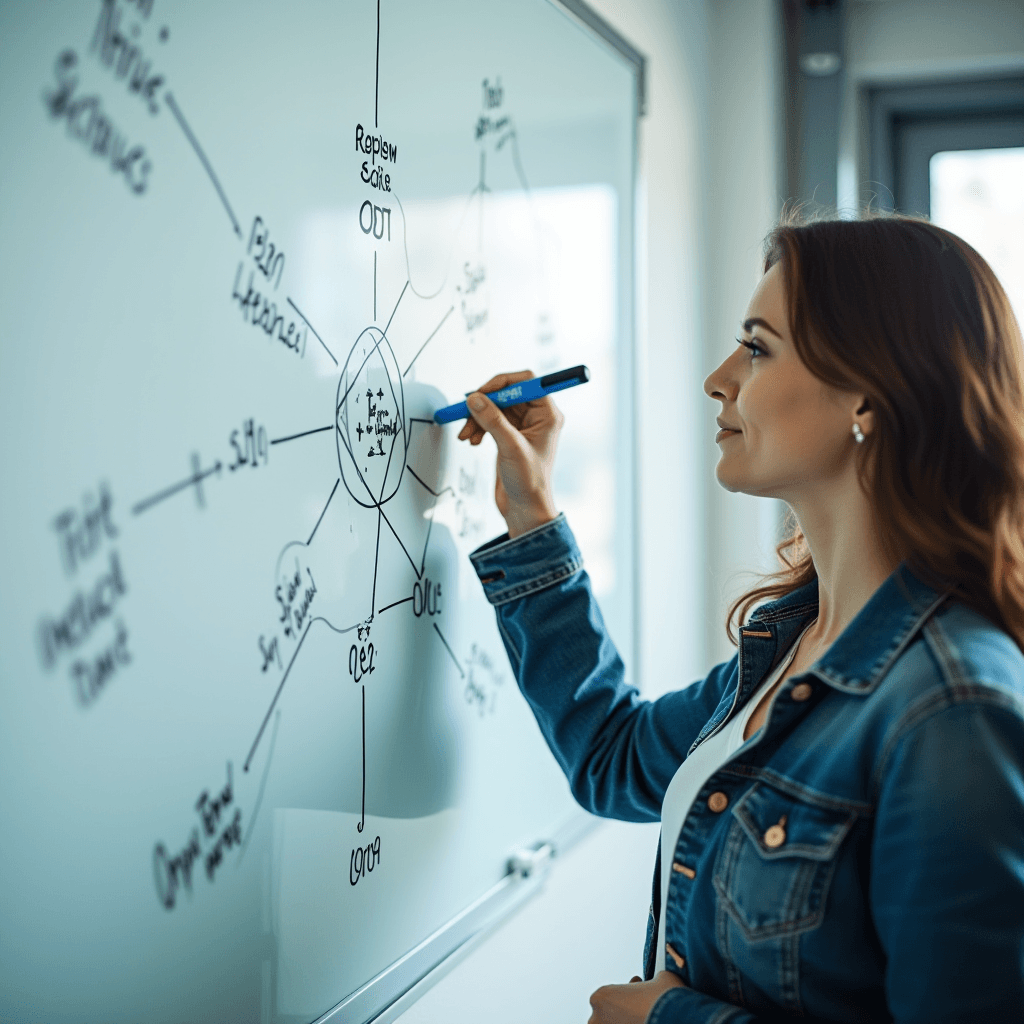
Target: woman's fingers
column 490, row 418
column 471, row 430
column 502, row 380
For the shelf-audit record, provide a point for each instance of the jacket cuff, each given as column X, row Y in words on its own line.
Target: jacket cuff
column 545, row 555
column 679, row 1005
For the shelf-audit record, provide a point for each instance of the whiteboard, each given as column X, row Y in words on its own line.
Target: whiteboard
column 262, row 756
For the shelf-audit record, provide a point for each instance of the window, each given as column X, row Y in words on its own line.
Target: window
column 954, row 152
column 979, row 195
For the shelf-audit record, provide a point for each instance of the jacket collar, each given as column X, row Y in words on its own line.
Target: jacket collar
column 864, row 652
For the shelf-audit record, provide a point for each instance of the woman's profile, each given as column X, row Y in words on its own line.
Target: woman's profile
column 842, row 802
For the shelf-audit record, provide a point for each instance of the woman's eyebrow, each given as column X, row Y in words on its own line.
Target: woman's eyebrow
column 755, row 320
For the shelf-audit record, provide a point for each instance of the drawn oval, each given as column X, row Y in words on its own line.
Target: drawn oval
column 369, row 421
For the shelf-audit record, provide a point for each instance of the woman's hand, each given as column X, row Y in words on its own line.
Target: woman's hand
column 526, row 436
column 630, row 1004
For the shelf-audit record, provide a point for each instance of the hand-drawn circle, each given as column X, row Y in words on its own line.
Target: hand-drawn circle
column 369, row 421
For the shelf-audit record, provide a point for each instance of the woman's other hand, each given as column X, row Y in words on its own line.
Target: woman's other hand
column 630, row 1004
column 526, row 436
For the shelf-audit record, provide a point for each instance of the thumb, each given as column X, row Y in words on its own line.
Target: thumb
column 492, row 420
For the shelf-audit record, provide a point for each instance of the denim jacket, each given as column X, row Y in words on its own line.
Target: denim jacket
column 863, row 858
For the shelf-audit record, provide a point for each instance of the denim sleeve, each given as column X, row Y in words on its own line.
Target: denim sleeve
column 618, row 751
column 947, row 889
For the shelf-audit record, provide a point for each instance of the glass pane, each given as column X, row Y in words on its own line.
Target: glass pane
column 978, row 195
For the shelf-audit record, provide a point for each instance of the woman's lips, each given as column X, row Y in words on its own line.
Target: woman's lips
column 725, row 433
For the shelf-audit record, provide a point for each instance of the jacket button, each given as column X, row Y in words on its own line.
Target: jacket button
column 680, row 960
column 718, row 802
column 775, row 836
column 801, row 691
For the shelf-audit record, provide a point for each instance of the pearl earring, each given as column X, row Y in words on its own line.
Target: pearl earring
column 858, row 433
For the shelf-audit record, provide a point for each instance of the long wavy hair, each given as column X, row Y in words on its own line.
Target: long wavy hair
column 910, row 315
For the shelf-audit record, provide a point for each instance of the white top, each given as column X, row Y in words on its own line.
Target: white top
column 695, row 771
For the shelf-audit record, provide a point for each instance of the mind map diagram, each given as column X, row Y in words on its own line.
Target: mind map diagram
column 386, row 461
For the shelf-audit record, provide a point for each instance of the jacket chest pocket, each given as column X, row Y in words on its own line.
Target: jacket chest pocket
column 779, row 856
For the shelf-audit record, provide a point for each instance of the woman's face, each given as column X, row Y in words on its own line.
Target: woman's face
column 795, row 431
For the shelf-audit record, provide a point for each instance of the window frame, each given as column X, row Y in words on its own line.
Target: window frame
column 908, row 124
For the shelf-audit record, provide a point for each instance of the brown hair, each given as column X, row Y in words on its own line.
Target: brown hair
column 909, row 314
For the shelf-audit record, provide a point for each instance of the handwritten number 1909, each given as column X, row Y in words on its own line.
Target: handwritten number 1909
column 363, row 859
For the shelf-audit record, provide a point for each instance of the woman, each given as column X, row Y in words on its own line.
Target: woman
column 842, row 803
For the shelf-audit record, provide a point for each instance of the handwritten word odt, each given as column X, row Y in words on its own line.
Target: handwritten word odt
column 375, row 219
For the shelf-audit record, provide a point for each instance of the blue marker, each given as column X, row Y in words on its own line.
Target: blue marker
column 524, row 391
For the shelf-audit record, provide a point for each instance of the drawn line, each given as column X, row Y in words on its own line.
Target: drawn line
column 263, row 786
column 518, row 163
column 322, row 514
column 313, row 329
column 362, row 821
column 194, row 480
column 376, row 559
column 426, row 543
column 284, row 679
column 305, row 433
column 450, row 651
column 414, row 419
column 418, row 572
column 366, row 359
column 197, row 479
column 391, row 451
column 376, row 85
column 330, row 625
column 427, row 342
column 202, row 156
column 366, row 486
column 451, row 251
column 395, row 310
column 436, row 494
column 395, row 605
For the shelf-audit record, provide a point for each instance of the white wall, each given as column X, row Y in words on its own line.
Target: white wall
column 709, row 154
column 905, row 41
column 743, row 200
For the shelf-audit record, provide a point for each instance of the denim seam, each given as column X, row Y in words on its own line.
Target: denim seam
column 957, row 689
column 667, row 1001
column 721, row 873
column 789, row 973
column 826, row 850
column 782, row 929
column 724, row 1014
column 781, row 614
column 930, row 705
column 537, row 583
column 510, row 646
column 797, row 790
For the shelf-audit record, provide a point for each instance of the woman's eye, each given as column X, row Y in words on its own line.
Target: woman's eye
column 753, row 346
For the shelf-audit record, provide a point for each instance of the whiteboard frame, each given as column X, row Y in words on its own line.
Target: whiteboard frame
column 385, row 997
